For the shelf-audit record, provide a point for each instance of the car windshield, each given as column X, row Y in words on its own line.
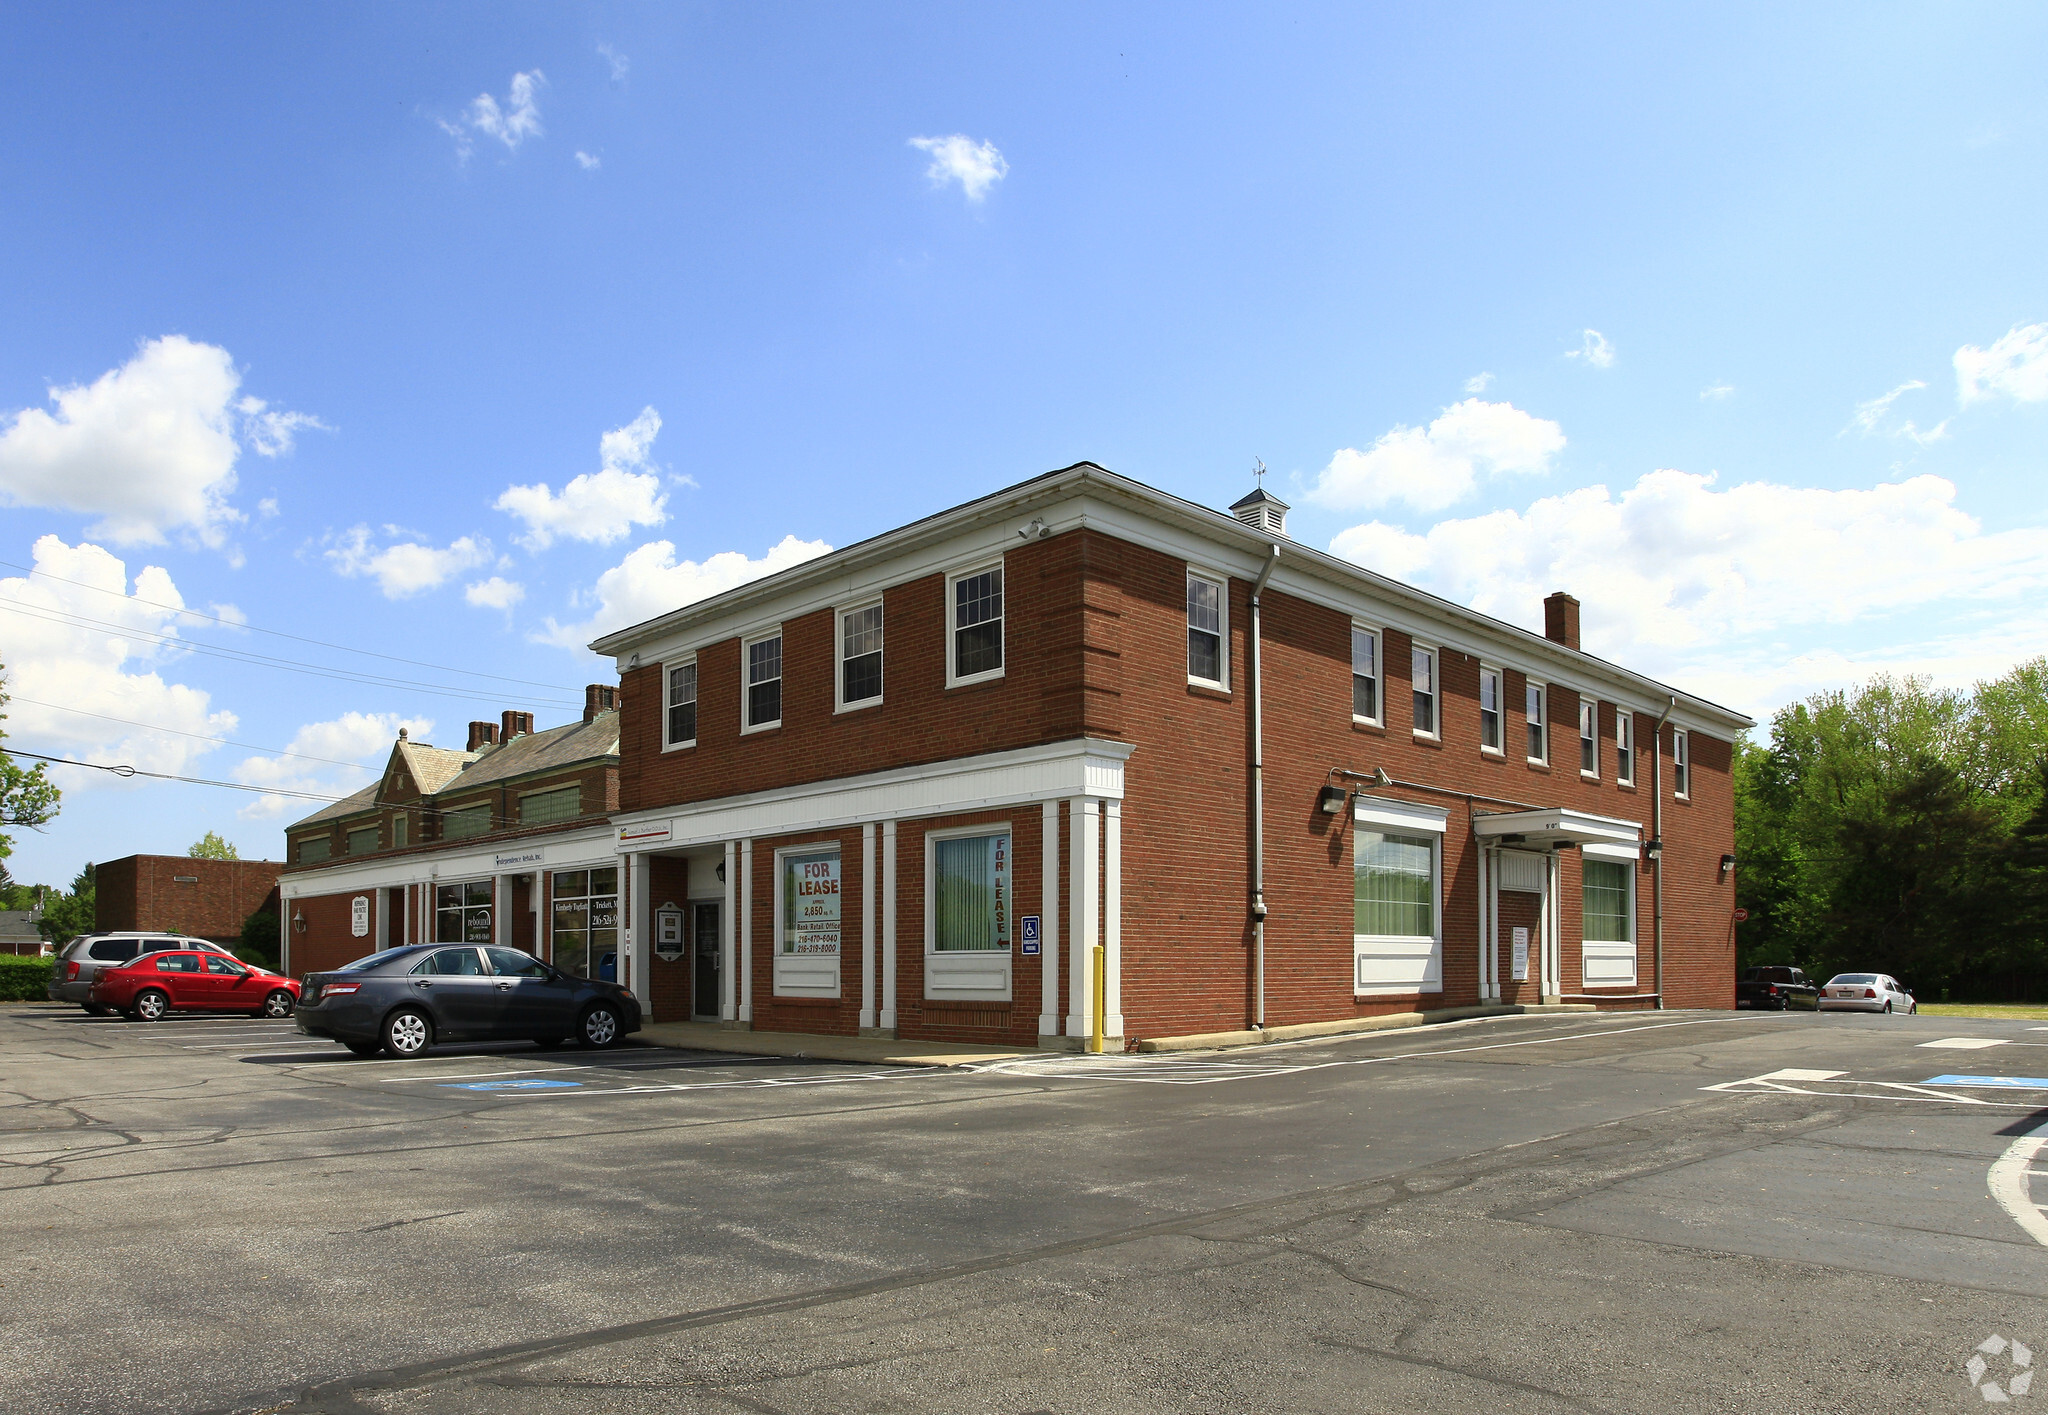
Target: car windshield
column 1865, row 978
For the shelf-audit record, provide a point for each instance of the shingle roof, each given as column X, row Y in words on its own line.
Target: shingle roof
column 541, row 751
column 433, row 767
column 347, row 806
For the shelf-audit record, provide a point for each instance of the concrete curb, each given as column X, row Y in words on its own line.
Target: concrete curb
column 1219, row 1041
column 867, row 1051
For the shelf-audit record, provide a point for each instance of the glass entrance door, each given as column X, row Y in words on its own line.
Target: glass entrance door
column 706, row 958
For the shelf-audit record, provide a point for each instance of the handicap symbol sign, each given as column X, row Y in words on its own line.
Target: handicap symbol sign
column 522, row 1085
column 1028, row 933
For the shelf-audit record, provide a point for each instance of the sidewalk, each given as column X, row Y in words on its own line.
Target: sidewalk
column 868, row 1051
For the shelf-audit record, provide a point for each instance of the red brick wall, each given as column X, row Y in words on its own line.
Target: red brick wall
column 326, row 942
column 143, row 892
column 670, row 984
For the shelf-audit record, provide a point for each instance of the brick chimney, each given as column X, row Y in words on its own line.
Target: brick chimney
column 515, row 723
column 481, row 735
column 597, row 698
column 1561, row 619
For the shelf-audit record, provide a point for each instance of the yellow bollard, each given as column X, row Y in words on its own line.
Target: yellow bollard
column 1098, row 988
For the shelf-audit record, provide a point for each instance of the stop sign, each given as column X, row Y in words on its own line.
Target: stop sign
column 1742, row 916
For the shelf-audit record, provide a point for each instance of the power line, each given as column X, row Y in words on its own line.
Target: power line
column 277, row 633
column 125, row 770
column 197, row 736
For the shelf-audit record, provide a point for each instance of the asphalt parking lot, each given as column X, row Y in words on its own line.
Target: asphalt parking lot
column 1677, row 1211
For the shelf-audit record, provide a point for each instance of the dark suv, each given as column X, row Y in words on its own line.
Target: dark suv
column 1776, row 988
column 81, row 959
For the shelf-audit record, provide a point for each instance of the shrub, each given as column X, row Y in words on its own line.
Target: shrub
column 24, row 979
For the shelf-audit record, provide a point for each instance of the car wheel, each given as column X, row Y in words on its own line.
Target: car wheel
column 1887, row 1007
column 96, row 1009
column 278, row 1003
column 364, row 1048
column 150, row 1005
column 407, row 1034
column 599, row 1027
column 1912, row 1009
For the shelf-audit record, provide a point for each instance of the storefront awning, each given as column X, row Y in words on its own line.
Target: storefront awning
column 1553, row 826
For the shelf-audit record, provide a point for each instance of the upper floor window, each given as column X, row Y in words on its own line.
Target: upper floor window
column 1539, row 724
column 1205, row 630
column 1489, row 709
column 1589, row 737
column 860, row 655
column 362, row 840
column 1422, row 679
column 315, row 847
column 976, row 612
column 561, row 804
column 1365, row 674
column 1681, row 762
column 764, row 683
column 398, row 832
column 462, row 824
column 1624, row 746
column 682, row 704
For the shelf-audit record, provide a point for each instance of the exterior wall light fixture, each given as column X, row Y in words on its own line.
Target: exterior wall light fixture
column 1727, row 866
column 1653, row 849
column 299, row 921
column 1330, row 800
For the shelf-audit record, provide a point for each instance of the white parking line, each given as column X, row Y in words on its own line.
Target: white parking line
column 1966, row 1043
column 2008, row 1184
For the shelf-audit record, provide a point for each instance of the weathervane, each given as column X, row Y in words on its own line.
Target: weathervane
column 1259, row 473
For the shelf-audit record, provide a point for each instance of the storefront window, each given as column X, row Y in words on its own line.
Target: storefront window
column 462, row 912
column 1607, row 918
column 1394, row 892
column 971, row 884
column 810, row 903
column 586, row 921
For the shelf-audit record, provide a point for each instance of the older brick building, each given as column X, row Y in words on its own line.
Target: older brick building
column 178, row 894
column 908, row 786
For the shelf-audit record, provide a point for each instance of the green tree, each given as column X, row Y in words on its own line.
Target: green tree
column 260, row 936
column 68, row 915
column 27, row 795
column 211, row 847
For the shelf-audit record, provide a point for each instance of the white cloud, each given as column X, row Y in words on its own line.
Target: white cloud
column 1430, row 468
column 2015, row 367
column 1674, row 567
column 110, row 667
column 587, row 162
column 1594, row 348
column 511, row 122
column 601, row 506
column 1717, row 392
column 407, row 567
column 1479, row 383
column 650, row 581
column 619, row 63
column 959, row 158
column 363, row 737
column 1870, row 416
column 149, row 447
column 495, row 593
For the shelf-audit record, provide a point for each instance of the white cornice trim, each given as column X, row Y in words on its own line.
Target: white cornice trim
column 588, row 845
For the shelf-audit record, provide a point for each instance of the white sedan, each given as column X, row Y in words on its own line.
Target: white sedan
column 1866, row 992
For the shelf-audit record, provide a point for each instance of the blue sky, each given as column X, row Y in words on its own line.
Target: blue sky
column 1731, row 321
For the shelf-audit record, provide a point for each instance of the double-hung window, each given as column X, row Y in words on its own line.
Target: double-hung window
column 682, row 705
column 1681, row 762
column 764, row 682
column 1589, row 737
column 1489, row 709
column 860, row 656
column 1608, row 955
column 1422, row 680
column 1365, row 674
column 975, row 612
column 1624, row 746
column 1539, row 724
column 1397, row 897
column 1205, row 631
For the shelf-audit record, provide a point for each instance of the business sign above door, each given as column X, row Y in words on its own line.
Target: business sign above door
column 644, row 834
column 518, row 859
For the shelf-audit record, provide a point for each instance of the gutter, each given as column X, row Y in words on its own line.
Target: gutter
column 1657, row 834
column 1259, row 800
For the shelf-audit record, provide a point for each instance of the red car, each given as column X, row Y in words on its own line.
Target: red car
column 159, row 983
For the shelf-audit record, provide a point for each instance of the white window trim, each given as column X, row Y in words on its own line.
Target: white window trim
column 1586, row 702
column 1681, row 750
column 1382, row 813
column 1629, row 855
column 667, row 666
column 1379, row 680
column 746, row 686
column 1222, row 584
column 1500, row 708
column 954, row 577
column 1543, row 698
column 789, row 981
column 934, row 961
column 839, row 703
column 1434, row 732
column 1624, row 746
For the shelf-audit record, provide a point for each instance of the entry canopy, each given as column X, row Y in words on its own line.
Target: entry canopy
column 1553, row 826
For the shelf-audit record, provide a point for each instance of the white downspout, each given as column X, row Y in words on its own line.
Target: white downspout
column 1259, row 804
column 1657, row 834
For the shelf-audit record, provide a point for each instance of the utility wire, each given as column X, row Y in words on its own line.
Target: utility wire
column 126, row 770
column 277, row 633
column 197, row 736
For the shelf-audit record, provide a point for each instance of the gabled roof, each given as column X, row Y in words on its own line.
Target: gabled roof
column 541, row 751
column 361, row 801
column 432, row 767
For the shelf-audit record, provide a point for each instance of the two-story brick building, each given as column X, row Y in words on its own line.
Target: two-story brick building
column 508, row 841
column 908, row 786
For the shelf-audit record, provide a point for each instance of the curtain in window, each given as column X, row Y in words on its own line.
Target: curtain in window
column 1394, row 891
column 971, row 907
column 1606, row 902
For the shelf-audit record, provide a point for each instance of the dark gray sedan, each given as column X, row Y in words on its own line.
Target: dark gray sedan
column 403, row 1000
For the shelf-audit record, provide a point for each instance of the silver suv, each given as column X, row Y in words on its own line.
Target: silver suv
column 82, row 958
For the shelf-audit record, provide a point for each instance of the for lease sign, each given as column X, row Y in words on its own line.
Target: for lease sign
column 810, row 903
